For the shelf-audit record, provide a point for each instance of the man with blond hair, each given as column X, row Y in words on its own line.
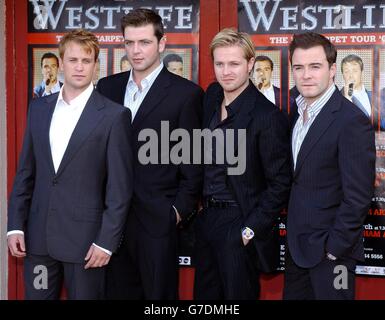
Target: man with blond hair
column 73, row 185
column 234, row 230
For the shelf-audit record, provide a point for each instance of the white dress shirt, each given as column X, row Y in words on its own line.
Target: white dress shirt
column 134, row 97
column 269, row 93
column 64, row 119
column 362, row 97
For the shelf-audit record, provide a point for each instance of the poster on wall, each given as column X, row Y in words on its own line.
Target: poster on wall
column 48, row 20
column 357, row 29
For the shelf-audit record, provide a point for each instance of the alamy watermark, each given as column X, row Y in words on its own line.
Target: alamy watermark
column 341, row 280
column 230, row 147
column 40, row 282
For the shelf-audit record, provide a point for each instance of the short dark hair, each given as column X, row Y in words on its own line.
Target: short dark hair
column 352, row 58
column 142, row 17
column 49, row 55
column 172, row 57
column 265, row 58
column 309, row 40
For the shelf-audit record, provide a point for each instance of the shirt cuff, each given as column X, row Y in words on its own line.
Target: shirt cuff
column 15, row 232
column 176, row 210
column 104, row 250
column 330, row 256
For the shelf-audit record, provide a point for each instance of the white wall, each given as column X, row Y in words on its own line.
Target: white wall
column 3, row 162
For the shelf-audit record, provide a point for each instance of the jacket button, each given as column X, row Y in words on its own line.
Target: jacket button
column 54, row 182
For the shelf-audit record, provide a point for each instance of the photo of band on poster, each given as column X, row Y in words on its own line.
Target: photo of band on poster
column 357, row 31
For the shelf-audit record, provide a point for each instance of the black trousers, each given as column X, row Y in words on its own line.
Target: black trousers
column 225, row 268
column 144, row 267
column 329, row 280
column 44, row 278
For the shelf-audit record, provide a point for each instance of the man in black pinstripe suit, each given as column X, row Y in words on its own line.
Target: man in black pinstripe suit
column 333, row 155
column 238, row 213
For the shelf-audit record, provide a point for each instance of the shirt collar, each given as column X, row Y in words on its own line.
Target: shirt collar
column 147, row 81
column 234, row 106
column 82, row 98
column 317, row 105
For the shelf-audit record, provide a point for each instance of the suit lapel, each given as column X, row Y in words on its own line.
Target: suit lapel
column 51, row 101
column 323, row 121
column 244, row 116
column 88, row 120
column 242, row 121
column 153, row 98
column 121, row 88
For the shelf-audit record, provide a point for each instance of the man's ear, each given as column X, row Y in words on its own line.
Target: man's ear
column 162, row 44
column 61, row 68
column 250, row 65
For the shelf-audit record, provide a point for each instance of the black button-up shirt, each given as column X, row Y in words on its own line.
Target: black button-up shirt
column 216, row 182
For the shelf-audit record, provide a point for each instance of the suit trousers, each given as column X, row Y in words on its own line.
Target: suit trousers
column 44, row 275
column 225, row 268
column 328, row 280
column 144, row 267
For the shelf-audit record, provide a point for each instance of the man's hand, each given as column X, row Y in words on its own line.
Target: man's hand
column 49, row 83
column 96, row 258
column 16, row 245
column 245, row 241
column 348, row 90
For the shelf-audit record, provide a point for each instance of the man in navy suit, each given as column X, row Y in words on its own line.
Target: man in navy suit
column 73, row 185
column 235, row 237
column 352, row 68
column 333, row 153
column 263, row 69
column 146, row 265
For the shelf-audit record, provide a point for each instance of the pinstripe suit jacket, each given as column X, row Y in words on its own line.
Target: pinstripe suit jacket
column 263, row 189
column 332, row 184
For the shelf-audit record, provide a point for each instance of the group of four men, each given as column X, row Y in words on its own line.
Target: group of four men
column 86, row 206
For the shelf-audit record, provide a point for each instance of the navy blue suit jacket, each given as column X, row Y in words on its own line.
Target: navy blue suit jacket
column 333, row 184
column 87, row 199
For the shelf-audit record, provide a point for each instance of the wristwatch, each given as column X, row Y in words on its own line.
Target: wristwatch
column 247, row 233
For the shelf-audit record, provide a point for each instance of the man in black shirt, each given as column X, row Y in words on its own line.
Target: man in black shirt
column 239, row 206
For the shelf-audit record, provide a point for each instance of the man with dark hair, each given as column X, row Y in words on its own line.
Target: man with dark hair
column 263, row 69
column 73, row 186
column 146, row 265
column 174, row 63
column 49, row 68
column 333, row 159
column 352, row 69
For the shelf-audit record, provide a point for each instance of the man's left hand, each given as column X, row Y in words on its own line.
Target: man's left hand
column 96, row 258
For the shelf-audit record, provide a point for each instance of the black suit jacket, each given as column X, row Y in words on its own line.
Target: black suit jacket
column 263, row 189
column 332, row 184
column 160, row 186
column 87, row 200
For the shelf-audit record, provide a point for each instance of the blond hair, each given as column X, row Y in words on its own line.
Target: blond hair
column 230, row 37
column 84, row 38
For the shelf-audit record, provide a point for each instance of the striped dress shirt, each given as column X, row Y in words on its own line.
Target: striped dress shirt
column 301, row 128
